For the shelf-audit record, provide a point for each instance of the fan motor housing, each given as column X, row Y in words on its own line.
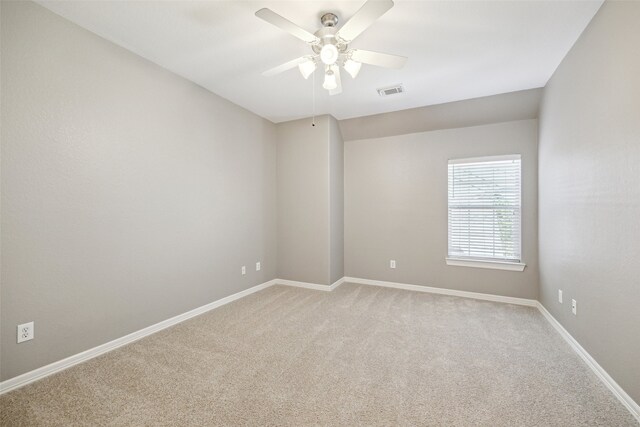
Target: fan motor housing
column 327, row 35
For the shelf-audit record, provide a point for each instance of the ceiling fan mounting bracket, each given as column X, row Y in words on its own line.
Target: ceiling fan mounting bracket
column 329, row 20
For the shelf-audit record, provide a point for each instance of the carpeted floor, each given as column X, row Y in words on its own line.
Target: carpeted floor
column 359, row 355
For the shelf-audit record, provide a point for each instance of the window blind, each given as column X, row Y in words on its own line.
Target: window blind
column 484, row 208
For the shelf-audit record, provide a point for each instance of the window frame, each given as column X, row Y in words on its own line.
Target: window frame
column 480, row 262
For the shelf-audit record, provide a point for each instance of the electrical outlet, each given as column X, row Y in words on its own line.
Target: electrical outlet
column 392, row 263
column 574, row 307
column 244, row 270
column 258, row 267
column 560, row 296
column 25, row 332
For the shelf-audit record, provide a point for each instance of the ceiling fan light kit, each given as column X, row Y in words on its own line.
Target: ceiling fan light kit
column 330, row 45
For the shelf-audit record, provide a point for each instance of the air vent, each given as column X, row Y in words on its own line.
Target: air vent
column 392, row 90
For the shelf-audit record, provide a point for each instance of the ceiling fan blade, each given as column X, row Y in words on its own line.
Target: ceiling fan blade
column 378, row 59
column 364, row 17
column 338, row 89
column 286, row 25
column 286, row 66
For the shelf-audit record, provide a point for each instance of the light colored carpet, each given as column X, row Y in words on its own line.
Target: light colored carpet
column 359, row 355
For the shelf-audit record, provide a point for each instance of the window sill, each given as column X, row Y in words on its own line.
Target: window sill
column 496, row 265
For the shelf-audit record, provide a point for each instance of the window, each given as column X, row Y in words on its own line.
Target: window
column 484, row 212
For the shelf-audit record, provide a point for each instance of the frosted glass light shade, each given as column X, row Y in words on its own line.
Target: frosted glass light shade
column 307, row 68
column 352, row 67
column 330, row 81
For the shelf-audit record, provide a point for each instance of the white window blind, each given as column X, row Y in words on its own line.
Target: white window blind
column 484, row 208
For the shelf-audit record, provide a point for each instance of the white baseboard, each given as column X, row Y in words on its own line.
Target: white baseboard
column 617, row 391
column 443, row 291
column 39, row 373
column 60, row 365
column 611, row 384
column 337, row 283
column 307, row 285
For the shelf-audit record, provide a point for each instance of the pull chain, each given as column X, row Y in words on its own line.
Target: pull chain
column 313, row 110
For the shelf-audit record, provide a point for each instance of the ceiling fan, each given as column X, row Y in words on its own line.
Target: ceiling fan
column 330, row 45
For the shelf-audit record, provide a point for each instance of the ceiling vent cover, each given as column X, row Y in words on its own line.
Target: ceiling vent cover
column 391, row 90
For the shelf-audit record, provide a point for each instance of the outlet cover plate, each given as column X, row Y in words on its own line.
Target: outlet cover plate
column 25, row 332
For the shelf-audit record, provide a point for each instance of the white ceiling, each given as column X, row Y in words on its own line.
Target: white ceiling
column 456, row 49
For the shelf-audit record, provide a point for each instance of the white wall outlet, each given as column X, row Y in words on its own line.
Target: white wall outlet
column 25, row 332
column 258, row 267
column 244, row 270
column 560, row 296
column 392, row 263
column 574, row 306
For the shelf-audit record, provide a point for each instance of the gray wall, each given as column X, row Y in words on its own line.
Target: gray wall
column 129, row 195
column 336, row 200
column 303, row 200
column 396, row 207
column 590, row 192
column 310, row 201
column 504, row 107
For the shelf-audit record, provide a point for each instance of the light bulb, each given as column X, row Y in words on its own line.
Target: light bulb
column 352, row 67
column 307, row 68
column 330, row 82
column 329, row 54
